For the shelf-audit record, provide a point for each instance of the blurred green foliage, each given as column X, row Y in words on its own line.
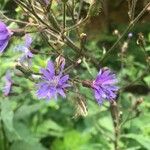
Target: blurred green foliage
column 30, row 124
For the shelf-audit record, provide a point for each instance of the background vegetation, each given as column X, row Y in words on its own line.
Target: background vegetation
column 27, row 123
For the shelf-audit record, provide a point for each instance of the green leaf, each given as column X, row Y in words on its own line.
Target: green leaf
column 147, row 80
column 7, row 118
column 143, row 140
column 25, row 133
column 49, row 127
column 26, row 110
column 73, row 140
column 22, row 145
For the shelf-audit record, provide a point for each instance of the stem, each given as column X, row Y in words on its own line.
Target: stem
column 133, row 9
column 5, row 144
column 78, row 50
column 130, row 26
column 115, row 117
column 64, row 15
column 71, row 11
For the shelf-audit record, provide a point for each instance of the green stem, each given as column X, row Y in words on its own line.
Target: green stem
column 114, row 109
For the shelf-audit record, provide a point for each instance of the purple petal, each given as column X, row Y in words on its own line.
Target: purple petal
column 3, row 27
column 62, row 68
column 61, row 92
column 65, row 86
column 28, row 40
column 98, row 97
column 29, row 54
column 4, row 36
column 8, row 83
column 46, row 74
column 43, row 90
column 52, row 93
column 63, row 79
column 7, row 88
column 50, row 68
column 3, row 46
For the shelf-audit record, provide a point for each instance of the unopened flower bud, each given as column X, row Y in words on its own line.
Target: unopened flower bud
column 124, row 47
column 130, row 35
column 79, row 61
column 81, row 106
column 83, row 36
column 139, row 101
column 116, row 32
column 59, row 61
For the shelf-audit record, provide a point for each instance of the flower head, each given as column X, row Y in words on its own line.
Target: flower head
column 25, row 48
column 8, row 84
column 5, row 35
column 52, row 83
column 104, row 86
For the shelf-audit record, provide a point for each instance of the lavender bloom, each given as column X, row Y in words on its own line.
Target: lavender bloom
column 5, row 35
column 52, row 84
column 26, row 48
column 104, row 86
column 8, row 84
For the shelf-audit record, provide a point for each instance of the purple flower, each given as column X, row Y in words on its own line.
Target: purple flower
column 5, row 35
column 104, row 86
column 26, row 48
column 52, row 83
column 8, row 84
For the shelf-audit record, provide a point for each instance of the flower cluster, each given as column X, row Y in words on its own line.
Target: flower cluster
column 5, row 35
column 53, row 80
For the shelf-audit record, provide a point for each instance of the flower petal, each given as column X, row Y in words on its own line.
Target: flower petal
column 3, row 46
column 63, row 79
column 50, row 68
column 28, row 40
column 46, row 74
column 43, row 90
column 61, row 92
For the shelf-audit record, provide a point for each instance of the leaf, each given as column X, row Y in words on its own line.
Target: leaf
column 7, row 118
column 73, row 140
column 147, row 80
column 25, row 133
column 26, row 110
column 143, row 140
column 22, row 145
column 49, row 127
column 95, row 7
